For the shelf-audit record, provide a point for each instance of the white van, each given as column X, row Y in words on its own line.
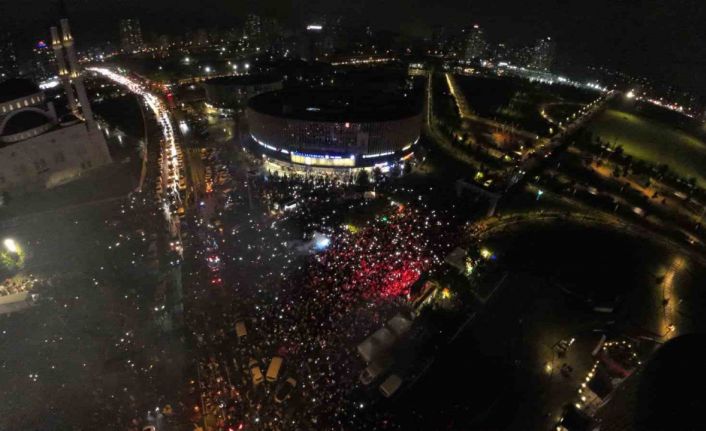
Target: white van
column 390, row 385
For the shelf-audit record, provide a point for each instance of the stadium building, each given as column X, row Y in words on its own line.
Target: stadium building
column 229, row 93
column 332, row 129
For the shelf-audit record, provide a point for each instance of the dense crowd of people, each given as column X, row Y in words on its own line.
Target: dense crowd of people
column 310, row 306
column 16, row 285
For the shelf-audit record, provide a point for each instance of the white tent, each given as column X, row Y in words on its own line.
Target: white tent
column 399, row 325
column 374, row 345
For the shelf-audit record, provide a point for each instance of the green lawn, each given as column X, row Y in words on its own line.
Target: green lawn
column 517, row 101
column 653, row 142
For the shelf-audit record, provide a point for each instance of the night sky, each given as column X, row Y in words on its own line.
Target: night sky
column 661, row 39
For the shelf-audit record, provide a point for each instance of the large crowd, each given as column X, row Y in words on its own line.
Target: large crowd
column 16, row 285
column 311, row 308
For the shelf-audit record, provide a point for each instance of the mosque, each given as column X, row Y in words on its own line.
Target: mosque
column 38, row 148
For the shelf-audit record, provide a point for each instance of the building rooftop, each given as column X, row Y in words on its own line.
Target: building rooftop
column 23, row 121
column 255, row 79
column 15, row 88
column 335, row 105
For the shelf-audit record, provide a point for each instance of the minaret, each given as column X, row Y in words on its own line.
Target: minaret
column 68, row 42
column 63, row 70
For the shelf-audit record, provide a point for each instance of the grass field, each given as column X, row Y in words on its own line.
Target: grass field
column 517, row 101
column 653, row 142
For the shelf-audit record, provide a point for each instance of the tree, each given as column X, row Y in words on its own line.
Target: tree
column 10, row 263
column 396, row 171
column 363, row 178
column 377, row 174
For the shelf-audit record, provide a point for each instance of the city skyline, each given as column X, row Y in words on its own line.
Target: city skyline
column 287, row 216
column 636, row 40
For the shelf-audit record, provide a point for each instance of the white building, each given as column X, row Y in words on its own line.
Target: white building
column 543, row 54
column 38, row 149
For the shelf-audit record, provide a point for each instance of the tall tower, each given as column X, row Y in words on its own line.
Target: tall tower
column 475, row 44
column 76, row 76
column 63, row 70
column 130, row 35
column 72, row 80
column 8, row 57
column 543, row 54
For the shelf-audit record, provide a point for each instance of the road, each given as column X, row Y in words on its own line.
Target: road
column 171, row 175
column 171, row 168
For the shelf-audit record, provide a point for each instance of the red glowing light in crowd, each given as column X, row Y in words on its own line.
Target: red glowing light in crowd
column 380, row 262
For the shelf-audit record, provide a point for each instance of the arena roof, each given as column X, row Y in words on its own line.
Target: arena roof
column 256, row 79
column 335, row 105
column 12, row 89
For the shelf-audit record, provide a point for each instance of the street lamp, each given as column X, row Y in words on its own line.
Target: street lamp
column 11, row 245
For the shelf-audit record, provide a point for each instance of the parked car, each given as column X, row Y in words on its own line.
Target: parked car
column 255, row 371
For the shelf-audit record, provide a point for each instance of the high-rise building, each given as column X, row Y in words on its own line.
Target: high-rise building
column 500, row 52
column 163, row 42
column 8, row 57
column 543, row 54
column 475, row 43
column 43, row 62
column 130, row 35
column 439, row 40
column 522, row 56
column 201, row 37
column 252, row 29
column 310, row 47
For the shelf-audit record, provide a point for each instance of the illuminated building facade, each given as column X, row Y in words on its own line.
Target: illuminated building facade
column 543, row 54
column 8, row 57
column 130, row 35
column 331, row 128
column 43, row 61
column 475, row 45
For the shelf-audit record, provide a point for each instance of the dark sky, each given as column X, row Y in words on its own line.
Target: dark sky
column 663, row 39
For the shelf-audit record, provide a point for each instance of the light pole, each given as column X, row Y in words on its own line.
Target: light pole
column 11, row 255
column 11, row 245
